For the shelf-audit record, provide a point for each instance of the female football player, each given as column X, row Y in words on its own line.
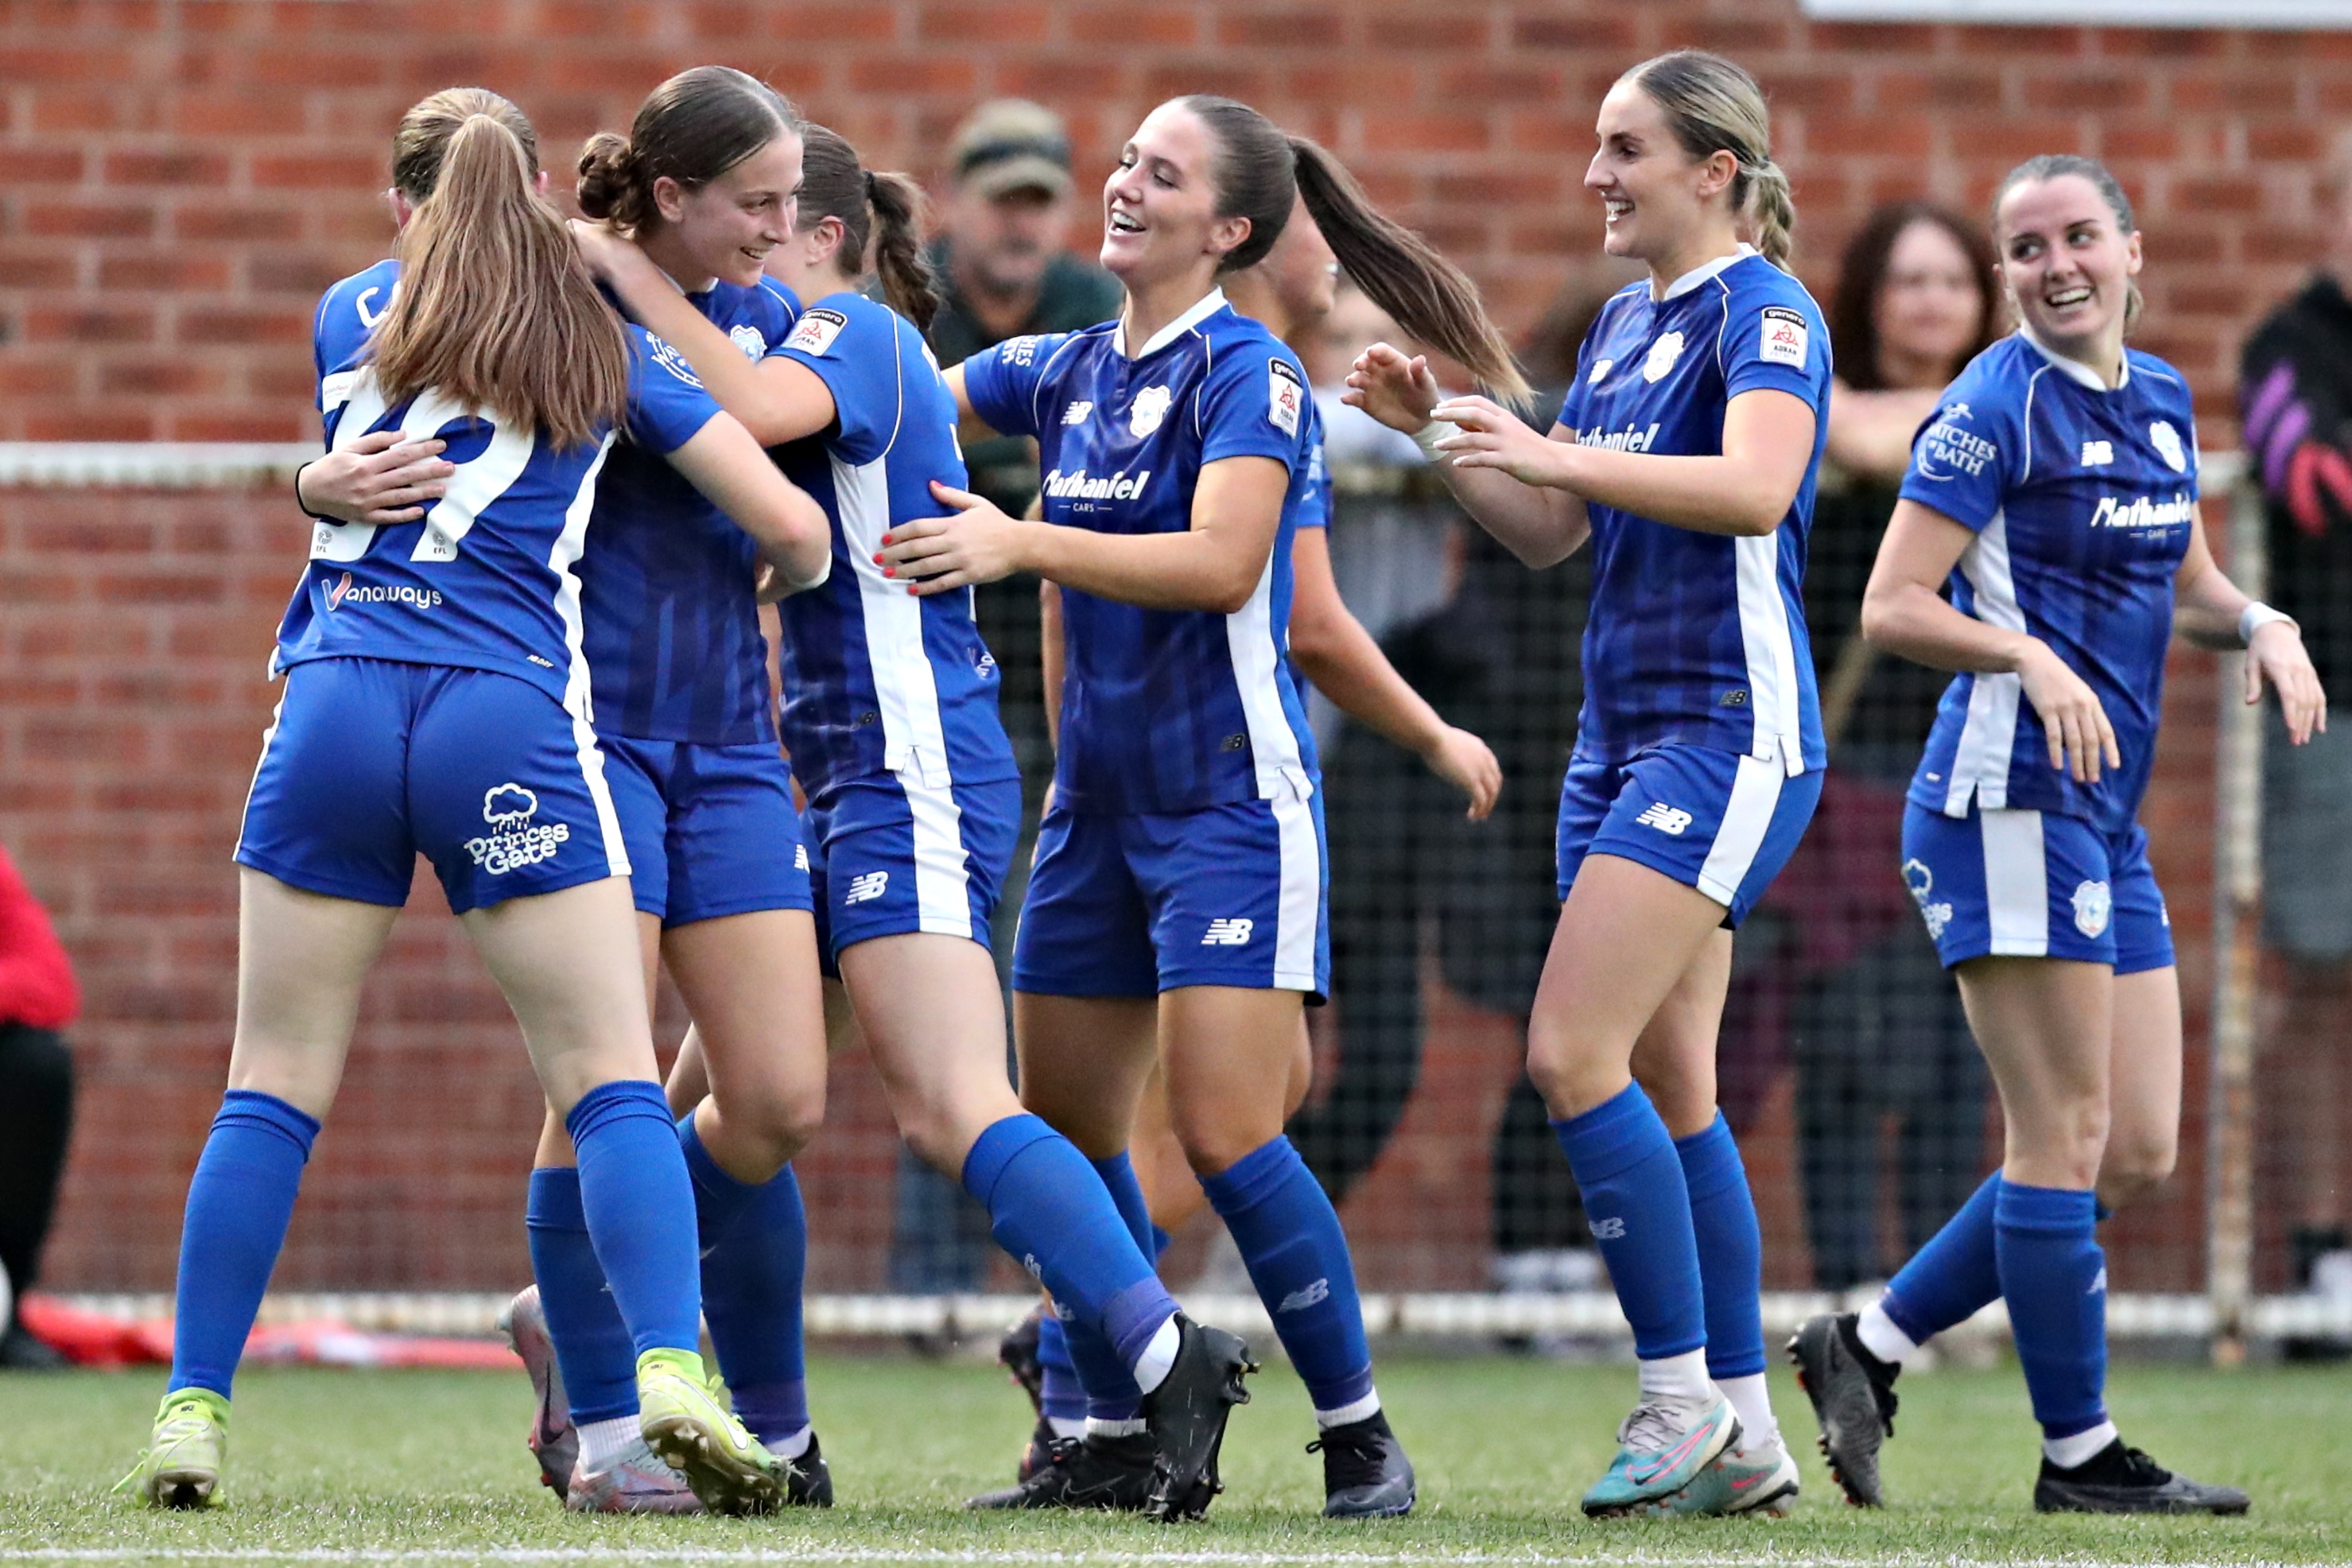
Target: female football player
column 1176, row 911
column 437, row 701
column 914, row 798
column 2055, row 489
column 1686, row 451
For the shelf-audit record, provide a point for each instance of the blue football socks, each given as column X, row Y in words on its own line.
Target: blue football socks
column 1730, row 1250
column 1289, row 1237
column 239, row 1205
column 2054, row 1277
column 1639, row 1212
column 754, row 1261
column 592, row 1342
column 639, row 1207
column 1954, row 1276
column 1048, row 1207
column 1061, row 1398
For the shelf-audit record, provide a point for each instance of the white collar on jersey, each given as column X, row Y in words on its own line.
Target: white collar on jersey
column 1698, row 274
column 2075, row 369
column 1209, row 305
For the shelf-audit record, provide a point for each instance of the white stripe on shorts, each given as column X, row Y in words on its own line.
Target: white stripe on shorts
column 1747, row 818
column 277, row 716
column 942, row 882
column 1298, row 911
column 2017, row 882
column 592, row 773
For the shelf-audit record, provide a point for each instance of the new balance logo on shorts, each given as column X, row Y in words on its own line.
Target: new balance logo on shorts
column 1306, row 1296
column 1664, row 818
column 867, row 887
column 1610, row 1229
column 1228, row 933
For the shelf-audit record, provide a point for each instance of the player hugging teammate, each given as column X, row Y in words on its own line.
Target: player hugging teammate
column 546, row 525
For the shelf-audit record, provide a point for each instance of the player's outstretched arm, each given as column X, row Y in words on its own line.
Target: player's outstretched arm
column 1538, row 524
column 2211, row 612
column 727, row 466
column 1347, row 666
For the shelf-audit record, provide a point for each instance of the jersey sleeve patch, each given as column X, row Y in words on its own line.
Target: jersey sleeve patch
column 816, row 330
column 1952, row 446
column 670, row 360
column 1285, row 394
column 1784, row 337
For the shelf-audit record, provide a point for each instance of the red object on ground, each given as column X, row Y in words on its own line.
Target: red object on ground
column 94, row 1338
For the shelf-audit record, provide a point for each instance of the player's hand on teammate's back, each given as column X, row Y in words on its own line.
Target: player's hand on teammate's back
column 977, row 544
column 1397, row 391
column 2276, row 653
column 1468, row 763
column 382, row 477
column 2081, row 739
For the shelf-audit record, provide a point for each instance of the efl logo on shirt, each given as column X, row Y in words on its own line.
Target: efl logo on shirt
column 1228, row 933
column 1283, row 394
column 1664, row 818
column 1784, row 338
column 865, row 889
column 816, row 331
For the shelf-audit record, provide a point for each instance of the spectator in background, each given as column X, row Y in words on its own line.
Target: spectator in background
column 1876, row 1030
column 2295, row 394
column 37, row 999
column 1005, row 270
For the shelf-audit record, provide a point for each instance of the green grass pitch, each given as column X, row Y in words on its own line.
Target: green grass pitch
column 349, row 1466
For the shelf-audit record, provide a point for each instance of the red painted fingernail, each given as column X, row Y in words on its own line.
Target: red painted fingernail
column 887, row 571
column 912, row 589
column 877, row 558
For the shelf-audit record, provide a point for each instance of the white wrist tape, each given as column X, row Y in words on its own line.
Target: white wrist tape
column 2254, row 617
column 1429, row 435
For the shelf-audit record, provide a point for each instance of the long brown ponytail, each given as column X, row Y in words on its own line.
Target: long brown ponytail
column 425, row 131
column 1260, row 171
column 495, row 309
column 1713, row 106
column 880, row 210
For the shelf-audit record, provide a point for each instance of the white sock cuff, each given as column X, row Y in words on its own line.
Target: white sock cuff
column 1159, row 1354
column 792, row 1445
column 1362, row 1409
column 1759, row 1428
column 1097, row 1427
column 603, row 1442
column 1881, row 1338
column 1681, row 1378
column 1067, row 1426
column 2068, row 1452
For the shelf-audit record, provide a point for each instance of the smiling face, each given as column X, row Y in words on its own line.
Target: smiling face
column 2067, row 264
column 1160, row 205
column 1929, row 306
column 1653, row 194
column 726, row 227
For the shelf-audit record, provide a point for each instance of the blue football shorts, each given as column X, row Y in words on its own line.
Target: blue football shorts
column 2032, row 884
column 370, row 763
column 711, row 830
column 1719, row 821
column 1134, row 904
column 890, row 855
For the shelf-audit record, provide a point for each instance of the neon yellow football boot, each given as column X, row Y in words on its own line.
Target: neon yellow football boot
column 181, row 1465
column 680, row 1416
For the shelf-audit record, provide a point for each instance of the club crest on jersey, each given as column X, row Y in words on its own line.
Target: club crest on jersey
column 816, row 331
column 2166, row 442
column 670, row 360
column 1283, row 394
column 1663, row 355
column 1784, row 337
column 749, row 338
column 1075, row 414
column 2092, row 904
column 1149, row 409
column 514, row 840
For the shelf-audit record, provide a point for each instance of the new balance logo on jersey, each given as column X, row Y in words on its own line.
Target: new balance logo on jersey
column 1664, row 818
column 1228, row 933
column 1611, row 1229
column 800, row 857
column 2141, row 512
column 514, row 840
column 1601, row 372
column 867, row 887
column 1305, row 1296
column 1082, row 486
column 2098, row 454
column 1075, row 414
column 1626, row 440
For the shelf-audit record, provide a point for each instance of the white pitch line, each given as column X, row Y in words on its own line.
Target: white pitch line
column 980, row 1557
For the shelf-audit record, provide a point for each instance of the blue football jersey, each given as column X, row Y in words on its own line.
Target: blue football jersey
column 1164, row 710
column 875, row 679
column 2082, row 498
column 1699, row 638
column 672, row 620
column 485, row 578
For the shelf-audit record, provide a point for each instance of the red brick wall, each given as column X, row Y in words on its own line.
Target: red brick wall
column 182, row 179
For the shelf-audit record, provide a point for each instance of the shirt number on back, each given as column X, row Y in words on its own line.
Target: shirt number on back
column 480, row 479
